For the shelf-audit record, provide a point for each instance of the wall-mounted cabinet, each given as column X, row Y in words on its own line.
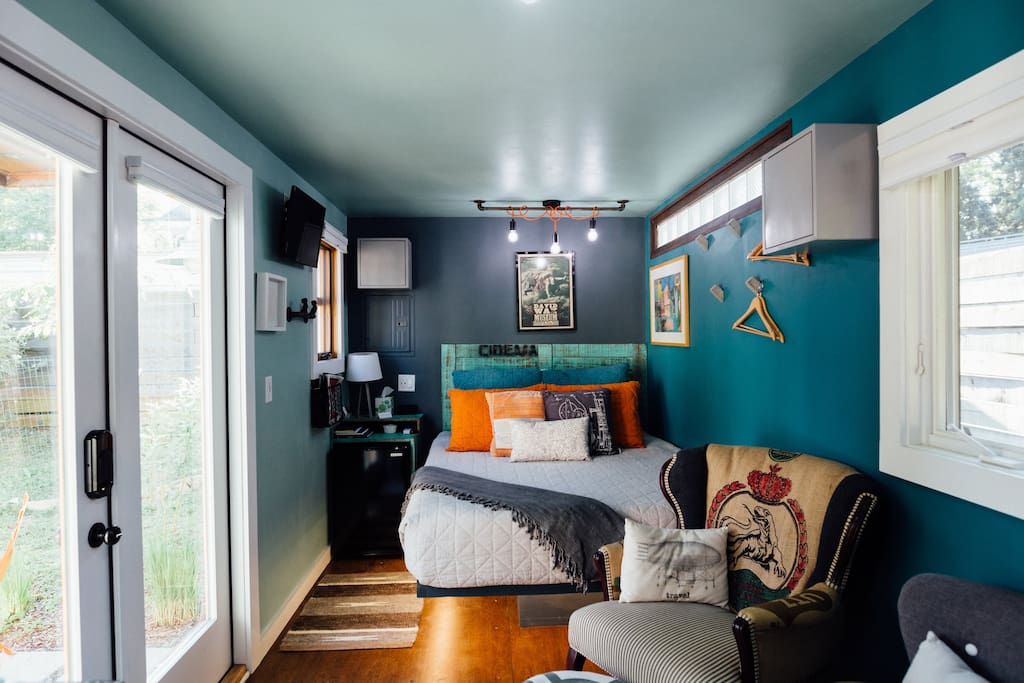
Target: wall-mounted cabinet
column 822, row 184
column 384, row 263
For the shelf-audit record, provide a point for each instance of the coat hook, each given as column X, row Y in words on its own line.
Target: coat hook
column 702, row 240
column 755, row 285
column 734, row 225
column 718, row 293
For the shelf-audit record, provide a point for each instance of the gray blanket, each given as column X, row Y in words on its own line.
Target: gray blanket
column 571, row 527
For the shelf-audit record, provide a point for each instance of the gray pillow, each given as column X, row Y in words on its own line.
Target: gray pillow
column 558, row 440
column 590, row 403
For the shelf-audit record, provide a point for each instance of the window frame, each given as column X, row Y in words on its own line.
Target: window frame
column 918, row 283
column 732, row 168
column 335, row 366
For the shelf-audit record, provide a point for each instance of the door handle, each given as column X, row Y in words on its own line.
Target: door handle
column 100, row 534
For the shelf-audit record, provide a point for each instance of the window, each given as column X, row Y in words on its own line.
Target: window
column 326, row 293
column 989, row 256
column 951, row 257
column 733, row 191
column 327, row 339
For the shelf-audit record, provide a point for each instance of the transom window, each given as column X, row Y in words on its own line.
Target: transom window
column 733, row 191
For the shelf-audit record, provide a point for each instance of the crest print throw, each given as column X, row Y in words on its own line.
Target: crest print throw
column 773, row 503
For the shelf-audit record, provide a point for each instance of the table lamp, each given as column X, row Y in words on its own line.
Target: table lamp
column 363, row 367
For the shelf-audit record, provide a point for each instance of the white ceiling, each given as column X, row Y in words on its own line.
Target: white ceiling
column 417, row 107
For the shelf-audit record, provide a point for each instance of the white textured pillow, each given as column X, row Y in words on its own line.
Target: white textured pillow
column 934, row 661
column 675, row 565
column 554, row 440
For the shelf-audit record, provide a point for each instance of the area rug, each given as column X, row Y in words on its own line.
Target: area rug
column 357, row 612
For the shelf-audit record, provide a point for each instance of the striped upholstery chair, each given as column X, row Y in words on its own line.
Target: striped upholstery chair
column 795, row 522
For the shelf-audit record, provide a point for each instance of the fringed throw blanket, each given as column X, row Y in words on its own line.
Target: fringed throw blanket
column 571, row 527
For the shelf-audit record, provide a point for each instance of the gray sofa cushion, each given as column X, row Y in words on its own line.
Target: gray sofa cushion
column 655, row 642
column 962, row 612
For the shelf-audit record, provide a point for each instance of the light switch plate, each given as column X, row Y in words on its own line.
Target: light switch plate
column 268, row 389
column 407, row 382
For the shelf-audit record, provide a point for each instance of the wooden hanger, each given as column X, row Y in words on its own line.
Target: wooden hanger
column 760, row 307
column 800, row 258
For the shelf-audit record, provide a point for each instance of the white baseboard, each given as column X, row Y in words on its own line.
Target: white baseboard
column 270, row 634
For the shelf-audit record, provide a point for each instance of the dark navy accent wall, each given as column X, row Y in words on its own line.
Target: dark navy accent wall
column 464, row 289
column 818, row 392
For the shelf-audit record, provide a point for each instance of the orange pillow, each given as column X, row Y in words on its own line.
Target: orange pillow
column 624, row 412
column 511, row 405
column 471, row 418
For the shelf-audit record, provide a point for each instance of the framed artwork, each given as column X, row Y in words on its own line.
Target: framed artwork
column 670, row 309
column 546, row 291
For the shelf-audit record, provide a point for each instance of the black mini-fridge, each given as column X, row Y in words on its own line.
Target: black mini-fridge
column 365, row 499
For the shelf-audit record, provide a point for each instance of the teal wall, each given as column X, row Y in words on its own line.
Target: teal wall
column 292, row 509
column 818, row 392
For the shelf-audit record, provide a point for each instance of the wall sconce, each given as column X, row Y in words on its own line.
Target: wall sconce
column 553, row 209
column 305, row 314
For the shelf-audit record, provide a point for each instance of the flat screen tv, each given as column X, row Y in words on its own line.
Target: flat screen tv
column 303, row 228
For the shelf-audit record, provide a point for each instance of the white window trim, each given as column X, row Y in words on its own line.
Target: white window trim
column 334, row 366
column 982, row 114
column 40, row 50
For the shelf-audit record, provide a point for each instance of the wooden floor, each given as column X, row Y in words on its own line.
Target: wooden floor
column 464, row 640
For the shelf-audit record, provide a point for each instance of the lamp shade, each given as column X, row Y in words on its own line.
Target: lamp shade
column 363, row 366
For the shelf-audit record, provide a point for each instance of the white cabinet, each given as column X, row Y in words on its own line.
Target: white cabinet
column 384, row 263
column 821, row 184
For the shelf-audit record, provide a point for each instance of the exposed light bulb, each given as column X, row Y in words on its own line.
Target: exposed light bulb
column 592, row 233
column 555, row 249
column 513, row 236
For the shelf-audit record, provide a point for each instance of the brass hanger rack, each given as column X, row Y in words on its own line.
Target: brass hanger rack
column 800, row 258
column 759, row 307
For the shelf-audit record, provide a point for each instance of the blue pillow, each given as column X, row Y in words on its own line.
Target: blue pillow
column 599, row 374
column 495, row 378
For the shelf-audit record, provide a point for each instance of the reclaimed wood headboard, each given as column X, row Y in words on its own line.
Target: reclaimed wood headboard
column 473, row 356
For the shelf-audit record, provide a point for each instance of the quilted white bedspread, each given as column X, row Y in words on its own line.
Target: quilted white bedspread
column 452, row 543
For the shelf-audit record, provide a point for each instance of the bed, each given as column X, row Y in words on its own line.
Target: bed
column 457, row 547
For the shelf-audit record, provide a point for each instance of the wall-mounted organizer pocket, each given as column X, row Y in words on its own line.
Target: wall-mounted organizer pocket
column 325, row 400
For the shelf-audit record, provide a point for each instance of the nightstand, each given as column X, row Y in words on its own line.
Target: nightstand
column 367, row 479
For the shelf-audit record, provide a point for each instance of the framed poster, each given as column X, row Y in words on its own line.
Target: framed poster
column 670, row 310
column 546, row 291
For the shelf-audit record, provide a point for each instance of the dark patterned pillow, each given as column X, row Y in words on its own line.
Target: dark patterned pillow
column 592, row 403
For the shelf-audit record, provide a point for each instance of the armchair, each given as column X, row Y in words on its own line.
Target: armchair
column 795, row 522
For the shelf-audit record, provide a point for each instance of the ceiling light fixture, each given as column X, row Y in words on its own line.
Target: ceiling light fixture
column 553, row 209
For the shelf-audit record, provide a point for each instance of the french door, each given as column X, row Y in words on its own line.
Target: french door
column 111, row 322
column 166, row 339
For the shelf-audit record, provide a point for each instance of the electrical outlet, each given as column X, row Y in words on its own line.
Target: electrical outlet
column 407, row 382
column 268, row 389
